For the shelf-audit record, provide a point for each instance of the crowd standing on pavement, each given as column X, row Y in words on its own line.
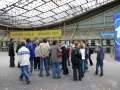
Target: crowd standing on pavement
column 55, row 55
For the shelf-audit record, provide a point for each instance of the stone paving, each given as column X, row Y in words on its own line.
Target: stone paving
column 111, row 80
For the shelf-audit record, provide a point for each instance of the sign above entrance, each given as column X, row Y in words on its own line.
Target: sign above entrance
column 35, row 34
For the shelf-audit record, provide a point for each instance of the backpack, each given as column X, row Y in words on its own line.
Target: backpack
column 75, row 56
column 90, row 50
column 86, row 52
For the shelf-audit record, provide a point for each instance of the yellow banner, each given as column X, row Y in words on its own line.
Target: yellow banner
column 35, row 34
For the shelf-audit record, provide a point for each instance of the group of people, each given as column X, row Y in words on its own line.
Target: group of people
column 36, row 55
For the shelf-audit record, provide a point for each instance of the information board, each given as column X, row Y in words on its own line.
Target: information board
column 35, row 34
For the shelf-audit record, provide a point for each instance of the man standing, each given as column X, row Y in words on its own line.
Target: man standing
column 100, row 58
column 11, row 53
column 44, row 51
column 30, row 48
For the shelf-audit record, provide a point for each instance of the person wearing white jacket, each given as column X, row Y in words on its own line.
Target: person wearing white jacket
column 82, row 49
column 23, row 59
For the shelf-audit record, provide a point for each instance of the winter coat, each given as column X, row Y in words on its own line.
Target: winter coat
column 64, row 52
column 18, row 47
column 76, row 56
column 23, row 56
column 29, row 46
column 11, row 49
column 100, row 55
column 53, row 53
column 44, row 49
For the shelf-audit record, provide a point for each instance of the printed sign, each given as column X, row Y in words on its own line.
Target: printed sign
column 35, row 34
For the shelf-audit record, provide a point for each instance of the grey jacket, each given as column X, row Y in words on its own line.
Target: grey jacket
column 53, row 52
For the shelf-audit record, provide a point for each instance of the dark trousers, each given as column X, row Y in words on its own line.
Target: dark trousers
column 91, row 63
column 68, row 62
column 37, row 62
column 64, row 66
column 12, row 59
column 77, row 66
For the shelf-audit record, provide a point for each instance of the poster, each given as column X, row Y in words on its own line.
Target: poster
column 67, row 42
column 4, row 44
column 15, row 45
column 89, row 42
column 97, row 42
column 112, row 42
column 104, row 42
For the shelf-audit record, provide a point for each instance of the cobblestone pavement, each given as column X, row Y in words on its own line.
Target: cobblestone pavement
column 111, row 80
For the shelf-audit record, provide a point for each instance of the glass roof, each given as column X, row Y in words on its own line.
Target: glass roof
column 36, row 13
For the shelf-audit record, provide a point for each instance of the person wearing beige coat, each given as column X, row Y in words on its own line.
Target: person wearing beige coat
column 44, row 51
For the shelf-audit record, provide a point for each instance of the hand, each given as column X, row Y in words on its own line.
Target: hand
column 43, row 56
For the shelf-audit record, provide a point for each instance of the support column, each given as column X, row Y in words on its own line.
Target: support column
column 117, row 35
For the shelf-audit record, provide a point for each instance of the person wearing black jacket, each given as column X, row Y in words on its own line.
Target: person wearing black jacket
column 76, row 59
column 64, row 59
column 11, row 53
column 18, row 47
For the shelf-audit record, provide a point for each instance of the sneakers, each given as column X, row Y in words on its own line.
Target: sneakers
column 40, row 75
column 87, row 70
column 101, row 75
column 95, row 74
column 48, row 75
column 21, row 79
column 31, row 74
column 28, row 82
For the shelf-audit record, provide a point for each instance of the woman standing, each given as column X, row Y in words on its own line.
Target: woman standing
column 82, row 49
column 76, row 59
column 55, row 59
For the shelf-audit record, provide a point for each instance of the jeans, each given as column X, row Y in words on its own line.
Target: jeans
column 64, row 66
column 91, row 63
column 56, row 69
column 83, row 67
column 49, row 63
column 46, row 65
column 99, row 63
column 12, row 59
column 86, row 64
column 76, row 66
column 24, row 72
column 37, row 62
column 31, row 66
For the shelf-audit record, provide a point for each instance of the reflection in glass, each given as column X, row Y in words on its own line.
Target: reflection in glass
column 97, row 42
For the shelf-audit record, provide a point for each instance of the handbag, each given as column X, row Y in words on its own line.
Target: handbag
column 59, row 54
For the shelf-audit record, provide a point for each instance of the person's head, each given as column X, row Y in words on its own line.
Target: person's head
column 36, row 41
column 22, row 43
column 81, row 46
column 11, row 40
column 83, row 41
column 54, row 42
column 44, row 40
column 28, row 40
column 19, row 42
column 77, row 44
column 99, row 46
column 71, row 44
column 63, row 43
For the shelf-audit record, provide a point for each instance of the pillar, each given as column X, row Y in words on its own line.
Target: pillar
column 117, row 35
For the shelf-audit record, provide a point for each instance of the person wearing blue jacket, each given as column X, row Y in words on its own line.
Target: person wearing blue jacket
column 99, row 58
column 31, row 49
